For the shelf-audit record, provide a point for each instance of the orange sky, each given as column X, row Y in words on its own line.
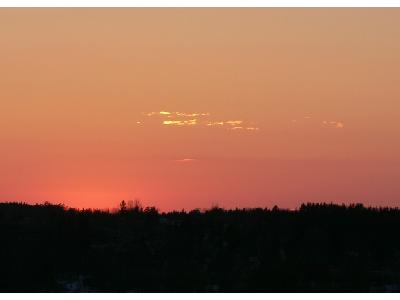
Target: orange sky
column 184, row 108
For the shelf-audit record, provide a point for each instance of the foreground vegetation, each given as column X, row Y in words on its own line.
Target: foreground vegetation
column 320, row 247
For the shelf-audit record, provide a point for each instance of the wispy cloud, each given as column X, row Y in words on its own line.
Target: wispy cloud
column 185, row 160
column 234, row 122
column 244, row 128
column 183, row 114
column 333, row 124
column 180, row 122
column 339, row 125
column 215, row 123
column 169, row 118
column 315, row 122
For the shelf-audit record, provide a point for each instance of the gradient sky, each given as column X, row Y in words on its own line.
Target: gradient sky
column 185, row 108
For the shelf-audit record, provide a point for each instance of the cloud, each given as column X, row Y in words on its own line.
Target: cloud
column 308, row 121
column 180, row 122
column 333, row 124
column 252, row 128
column 244, row 128
column 233, row 122
column 169, row 118
column 186, row 160
column 217, row 123
column 339, row 125
column 236, row 128
column 183, row 114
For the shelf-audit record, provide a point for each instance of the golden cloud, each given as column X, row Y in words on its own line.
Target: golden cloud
column 202, row 119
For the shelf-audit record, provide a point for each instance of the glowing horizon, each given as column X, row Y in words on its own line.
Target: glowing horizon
column 185, row 108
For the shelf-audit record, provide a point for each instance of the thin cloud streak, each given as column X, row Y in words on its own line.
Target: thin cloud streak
column 185, row 160
column 179, row 119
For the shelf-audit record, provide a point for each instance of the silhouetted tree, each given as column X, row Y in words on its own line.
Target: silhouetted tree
column 122, row 206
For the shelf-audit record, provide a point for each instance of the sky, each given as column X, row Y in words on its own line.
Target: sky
column 190, row 108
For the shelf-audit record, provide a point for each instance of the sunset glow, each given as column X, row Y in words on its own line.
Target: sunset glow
column 186, row 108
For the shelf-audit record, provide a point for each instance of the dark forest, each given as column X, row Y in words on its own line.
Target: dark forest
column 317, row 248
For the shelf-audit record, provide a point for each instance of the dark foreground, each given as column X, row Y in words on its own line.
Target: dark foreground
column 317, row 248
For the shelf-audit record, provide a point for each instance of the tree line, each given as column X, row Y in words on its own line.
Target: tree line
column 318, row 247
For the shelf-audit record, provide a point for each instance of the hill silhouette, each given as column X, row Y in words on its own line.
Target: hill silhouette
column 317, row 248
